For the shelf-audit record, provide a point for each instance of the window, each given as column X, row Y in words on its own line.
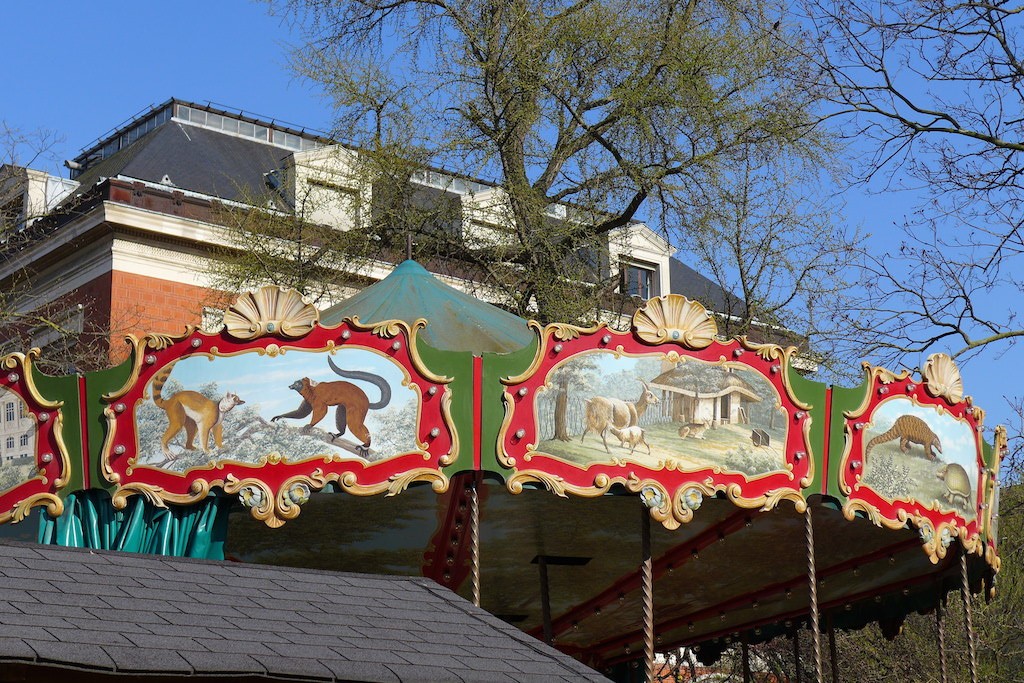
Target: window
column 638, row 280
column 23, row 440
column 9, row 411
column 10, row 442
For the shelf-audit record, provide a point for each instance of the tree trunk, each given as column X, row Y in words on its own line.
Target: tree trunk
column 561, row 403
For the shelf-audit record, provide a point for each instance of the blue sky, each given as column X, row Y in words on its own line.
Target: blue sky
column 79, row 69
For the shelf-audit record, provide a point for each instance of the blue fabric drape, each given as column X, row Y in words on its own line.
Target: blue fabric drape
column 90, row 521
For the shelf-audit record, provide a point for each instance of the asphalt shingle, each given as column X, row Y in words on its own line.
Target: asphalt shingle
column 219, row 618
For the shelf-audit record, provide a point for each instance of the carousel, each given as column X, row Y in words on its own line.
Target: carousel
column 613, row 494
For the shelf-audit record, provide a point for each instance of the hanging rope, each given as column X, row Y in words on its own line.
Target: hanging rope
column 647, row 590
column 474, row 539
column 965, row 592
column 812, row 579
column 941, row 629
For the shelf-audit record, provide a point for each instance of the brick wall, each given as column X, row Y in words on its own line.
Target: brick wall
column 142, row 304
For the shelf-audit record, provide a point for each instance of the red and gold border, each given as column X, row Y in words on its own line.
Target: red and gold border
column 674, row 327
column 53, row 465
column 274, row 488
column 939, row 387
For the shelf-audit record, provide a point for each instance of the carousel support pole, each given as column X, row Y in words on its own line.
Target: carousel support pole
column 965, row 592
column 798, row 669
column 647, row 591
column 545, row 599
column 746, row 661
column 474, row 537
column 941, row 633
column 832, row 650
column 812, row 580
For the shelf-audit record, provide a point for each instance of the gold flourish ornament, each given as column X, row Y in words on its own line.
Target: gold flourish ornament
column 673, row 317
column 270, row 310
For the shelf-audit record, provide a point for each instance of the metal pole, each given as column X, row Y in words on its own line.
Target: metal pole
column 746, row 661
column 647, row 591
column 474, row 538
column 965, row 591
column 545, row 598
column 812, row 579
column 941, row 631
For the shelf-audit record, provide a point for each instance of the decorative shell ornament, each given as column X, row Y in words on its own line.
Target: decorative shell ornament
column 270, row 310
column 673, row 317
column 942, row 378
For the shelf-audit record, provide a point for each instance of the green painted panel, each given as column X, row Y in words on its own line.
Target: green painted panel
column 815, row 395
column 495, row 367
column 64, row 389
column 458, row 366
column 96, row 385
column 843, row 400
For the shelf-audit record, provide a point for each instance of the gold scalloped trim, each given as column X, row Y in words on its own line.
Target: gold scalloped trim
column 784, row 355
column 23, row 508
column 942, row 378
column 674, row 318
column 270, row 310
column 989, row 490
column 871, row 372
column 557, row 485
column 931, row 545
column 23, row 363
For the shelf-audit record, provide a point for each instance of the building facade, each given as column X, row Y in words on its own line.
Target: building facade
column 128, row 242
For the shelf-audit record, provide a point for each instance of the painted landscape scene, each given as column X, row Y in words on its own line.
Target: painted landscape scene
column 598, row 407
column 353, row 403
column 915, row 452
column 17, row 441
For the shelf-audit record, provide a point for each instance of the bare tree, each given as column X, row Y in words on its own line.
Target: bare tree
column 933, row 91
column 584, row 115
column 73, row 339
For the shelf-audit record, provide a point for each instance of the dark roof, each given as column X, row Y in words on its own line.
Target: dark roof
column 119, row 613
column 686, row 281
column 195, row 159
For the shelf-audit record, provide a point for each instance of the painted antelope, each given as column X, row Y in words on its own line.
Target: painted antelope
column 603, row 413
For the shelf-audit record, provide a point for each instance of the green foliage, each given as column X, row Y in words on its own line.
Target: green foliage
column 611, row 111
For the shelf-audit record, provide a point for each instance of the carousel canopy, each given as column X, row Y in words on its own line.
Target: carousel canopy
column 605, row 491
column 456, row 321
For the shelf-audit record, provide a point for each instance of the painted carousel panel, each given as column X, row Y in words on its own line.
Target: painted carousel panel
column 355, row 403
column 599, row 406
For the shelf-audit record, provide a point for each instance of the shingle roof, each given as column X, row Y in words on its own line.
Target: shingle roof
column 119, row 613
column 686, row 281
column 195, row 159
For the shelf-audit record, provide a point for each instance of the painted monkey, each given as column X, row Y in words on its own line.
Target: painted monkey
column 193, row 412
column 352, row 403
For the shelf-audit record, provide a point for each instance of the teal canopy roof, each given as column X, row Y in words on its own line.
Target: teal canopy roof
column 456, row 321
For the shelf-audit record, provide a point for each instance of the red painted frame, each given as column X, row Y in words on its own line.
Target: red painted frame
column 519, row 432
column 394, row 340
column 884, row 387
column 53, row 464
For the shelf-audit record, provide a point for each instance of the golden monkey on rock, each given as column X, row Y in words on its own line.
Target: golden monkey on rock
column 193, row 412
column 352, row 403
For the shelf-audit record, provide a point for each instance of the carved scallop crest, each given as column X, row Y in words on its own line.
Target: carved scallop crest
column 673, row 317
column 270, row 310
column 942, row 378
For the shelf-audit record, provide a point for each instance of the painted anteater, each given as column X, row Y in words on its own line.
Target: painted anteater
column 909, row 429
